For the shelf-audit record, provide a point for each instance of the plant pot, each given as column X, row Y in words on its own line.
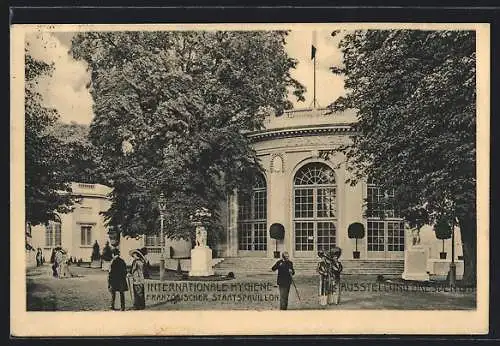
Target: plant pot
column 95, row 264
column 442, row 255
column 355, row 254
column 276, row 254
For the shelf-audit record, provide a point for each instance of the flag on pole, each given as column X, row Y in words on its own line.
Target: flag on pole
column 313, row 46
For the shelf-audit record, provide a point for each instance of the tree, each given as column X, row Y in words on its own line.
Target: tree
column 356, row 230
column 82, row 157
column 47, row 190
column 107, row 254
column 443, row 230
column 96, row 254
column 171, row 112
column 277, row 232
column 415, row 95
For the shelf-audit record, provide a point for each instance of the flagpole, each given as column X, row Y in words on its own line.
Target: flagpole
column 313, row 56
column 314, row 86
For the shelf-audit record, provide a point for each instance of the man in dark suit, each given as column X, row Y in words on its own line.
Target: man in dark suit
column 117, row 279
column 285, row 272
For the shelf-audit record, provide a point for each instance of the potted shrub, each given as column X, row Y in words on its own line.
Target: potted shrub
column 277, row 232
column 356, row 230
column 95, row 258
column 442, row 230
column 107, row 256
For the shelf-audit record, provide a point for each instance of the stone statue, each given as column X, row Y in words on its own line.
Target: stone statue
column 415, row 233
column 201, row 236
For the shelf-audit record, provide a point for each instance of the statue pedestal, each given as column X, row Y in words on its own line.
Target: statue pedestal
column 415, row 264
column 201, row 261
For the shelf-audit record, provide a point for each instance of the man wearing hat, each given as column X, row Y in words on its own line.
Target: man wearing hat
column 285, row 272
column 137, row 272
column 117, row 279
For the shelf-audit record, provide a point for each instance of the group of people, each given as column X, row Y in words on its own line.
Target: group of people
column 59, row 261
column 120, row 279
column 329, row 269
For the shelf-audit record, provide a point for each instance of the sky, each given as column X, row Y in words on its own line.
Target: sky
column 66, row 89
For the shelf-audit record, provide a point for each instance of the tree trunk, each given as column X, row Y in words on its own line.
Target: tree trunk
column 468, row 234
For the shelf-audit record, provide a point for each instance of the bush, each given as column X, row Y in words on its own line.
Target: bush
column 277, row 231
column 95, row 252
column 442, row 229
column 356, row 230
column 107, row 254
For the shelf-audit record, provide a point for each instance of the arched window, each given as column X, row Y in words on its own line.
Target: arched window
column 252, row 218
column 314, row 191
column 385, row 229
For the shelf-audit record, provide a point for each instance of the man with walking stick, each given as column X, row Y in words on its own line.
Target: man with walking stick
column 285, row 272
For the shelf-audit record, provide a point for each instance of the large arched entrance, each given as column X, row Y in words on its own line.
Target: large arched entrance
column 314, row 209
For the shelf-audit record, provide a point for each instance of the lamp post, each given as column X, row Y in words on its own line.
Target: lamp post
column 162, row 206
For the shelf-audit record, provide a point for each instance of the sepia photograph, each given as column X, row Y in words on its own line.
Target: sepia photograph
column 167, row 178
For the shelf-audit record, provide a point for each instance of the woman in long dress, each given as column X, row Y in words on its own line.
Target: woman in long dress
column 137, row 273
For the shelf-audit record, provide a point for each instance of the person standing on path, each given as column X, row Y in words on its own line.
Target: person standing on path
column 335, row 270
column 137, row 273
column 284, row 280
column 39, row 257
column 323, row 269
column 117, row 279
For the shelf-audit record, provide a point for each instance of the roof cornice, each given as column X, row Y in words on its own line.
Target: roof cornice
column 305, row 130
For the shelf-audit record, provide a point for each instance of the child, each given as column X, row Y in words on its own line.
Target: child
column 335, row 270
column 323, row 271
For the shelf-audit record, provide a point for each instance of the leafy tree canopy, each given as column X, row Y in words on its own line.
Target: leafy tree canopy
column 415, row 94
column 46, row 187
column 171, row 109
column 82, row 157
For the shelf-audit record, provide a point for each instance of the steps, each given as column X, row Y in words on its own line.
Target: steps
column 307, row 266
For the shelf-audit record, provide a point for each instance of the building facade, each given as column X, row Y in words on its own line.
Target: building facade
column 303, row 187
column 78, row 230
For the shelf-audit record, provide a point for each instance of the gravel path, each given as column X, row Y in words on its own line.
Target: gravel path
column 88, row 291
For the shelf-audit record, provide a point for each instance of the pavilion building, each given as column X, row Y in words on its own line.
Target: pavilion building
column 303, row 187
